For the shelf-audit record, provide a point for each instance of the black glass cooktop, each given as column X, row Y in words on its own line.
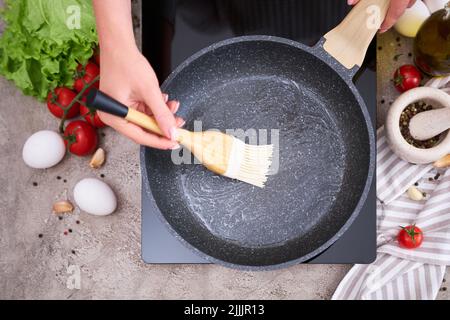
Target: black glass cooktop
column 173, row 30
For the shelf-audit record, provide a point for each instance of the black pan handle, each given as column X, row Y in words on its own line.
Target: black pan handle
column 101, row 101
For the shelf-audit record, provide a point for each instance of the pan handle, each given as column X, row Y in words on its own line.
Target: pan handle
column 349, row 41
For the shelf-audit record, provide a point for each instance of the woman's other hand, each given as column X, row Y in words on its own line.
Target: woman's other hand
column 395, row 11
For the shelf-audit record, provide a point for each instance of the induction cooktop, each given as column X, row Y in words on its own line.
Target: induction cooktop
column 173, row 30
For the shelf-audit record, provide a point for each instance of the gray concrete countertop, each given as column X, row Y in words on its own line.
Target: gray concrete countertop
column 106, row 250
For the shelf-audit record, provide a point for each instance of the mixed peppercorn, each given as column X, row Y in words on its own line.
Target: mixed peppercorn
column 409, row 112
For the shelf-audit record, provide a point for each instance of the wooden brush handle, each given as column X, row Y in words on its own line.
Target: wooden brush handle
column 143, row 121
column 349, row 41
column 149, row 123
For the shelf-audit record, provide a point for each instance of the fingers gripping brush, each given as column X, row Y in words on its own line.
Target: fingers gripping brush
column 221, row 153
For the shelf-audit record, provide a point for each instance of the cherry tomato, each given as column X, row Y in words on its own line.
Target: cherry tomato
column 91, row 116
column 410, row 237
column 80, row 138
column 407, row 77
column 59, row 99
column 86, row 75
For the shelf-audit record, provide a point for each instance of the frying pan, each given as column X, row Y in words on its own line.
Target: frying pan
column 325, row 146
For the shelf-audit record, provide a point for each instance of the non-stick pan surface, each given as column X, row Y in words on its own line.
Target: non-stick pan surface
column 325, row 154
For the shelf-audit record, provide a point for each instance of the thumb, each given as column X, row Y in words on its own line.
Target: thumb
column 166, row 120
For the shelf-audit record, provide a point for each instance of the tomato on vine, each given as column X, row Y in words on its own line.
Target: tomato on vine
column 91, row 116
column 80, row 138
column 85, row 75
column 59, row 100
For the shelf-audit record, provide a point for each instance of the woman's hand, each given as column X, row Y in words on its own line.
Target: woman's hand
column 128, row 77
column 396, row 9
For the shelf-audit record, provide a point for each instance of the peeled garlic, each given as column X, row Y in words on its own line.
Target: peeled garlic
column 415, row 194
column 443, row 162
column 97, row 159
column 62, row 207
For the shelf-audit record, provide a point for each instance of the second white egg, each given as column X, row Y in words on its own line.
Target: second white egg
column 95, row 197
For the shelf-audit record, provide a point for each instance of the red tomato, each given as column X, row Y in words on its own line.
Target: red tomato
column 407, row 77
column 86, row 75
column 59, row 100
column 80, row 138
column 410, row 237
column 91, row 116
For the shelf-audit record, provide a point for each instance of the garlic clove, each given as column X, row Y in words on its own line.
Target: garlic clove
column 62, row 207
column 98, row 159
column 415, row 194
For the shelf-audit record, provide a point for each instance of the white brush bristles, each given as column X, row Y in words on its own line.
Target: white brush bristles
column 249, row 163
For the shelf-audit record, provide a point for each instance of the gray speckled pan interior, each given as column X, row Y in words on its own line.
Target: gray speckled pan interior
column 325, row 151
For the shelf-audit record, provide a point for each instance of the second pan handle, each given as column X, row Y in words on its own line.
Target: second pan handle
column 349, row 41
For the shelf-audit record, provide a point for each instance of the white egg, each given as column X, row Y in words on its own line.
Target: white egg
column 43, row 150
column 411, row 21
column 435, row 5
column 95, row 197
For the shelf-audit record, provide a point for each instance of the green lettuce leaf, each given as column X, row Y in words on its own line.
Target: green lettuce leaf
column 43, row 43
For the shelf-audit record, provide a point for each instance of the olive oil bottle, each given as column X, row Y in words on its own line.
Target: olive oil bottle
column 432, row 44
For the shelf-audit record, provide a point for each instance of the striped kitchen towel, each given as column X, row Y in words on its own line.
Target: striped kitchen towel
column 399, row 273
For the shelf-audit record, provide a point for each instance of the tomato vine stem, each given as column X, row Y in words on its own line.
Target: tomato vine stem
column 77, row 99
